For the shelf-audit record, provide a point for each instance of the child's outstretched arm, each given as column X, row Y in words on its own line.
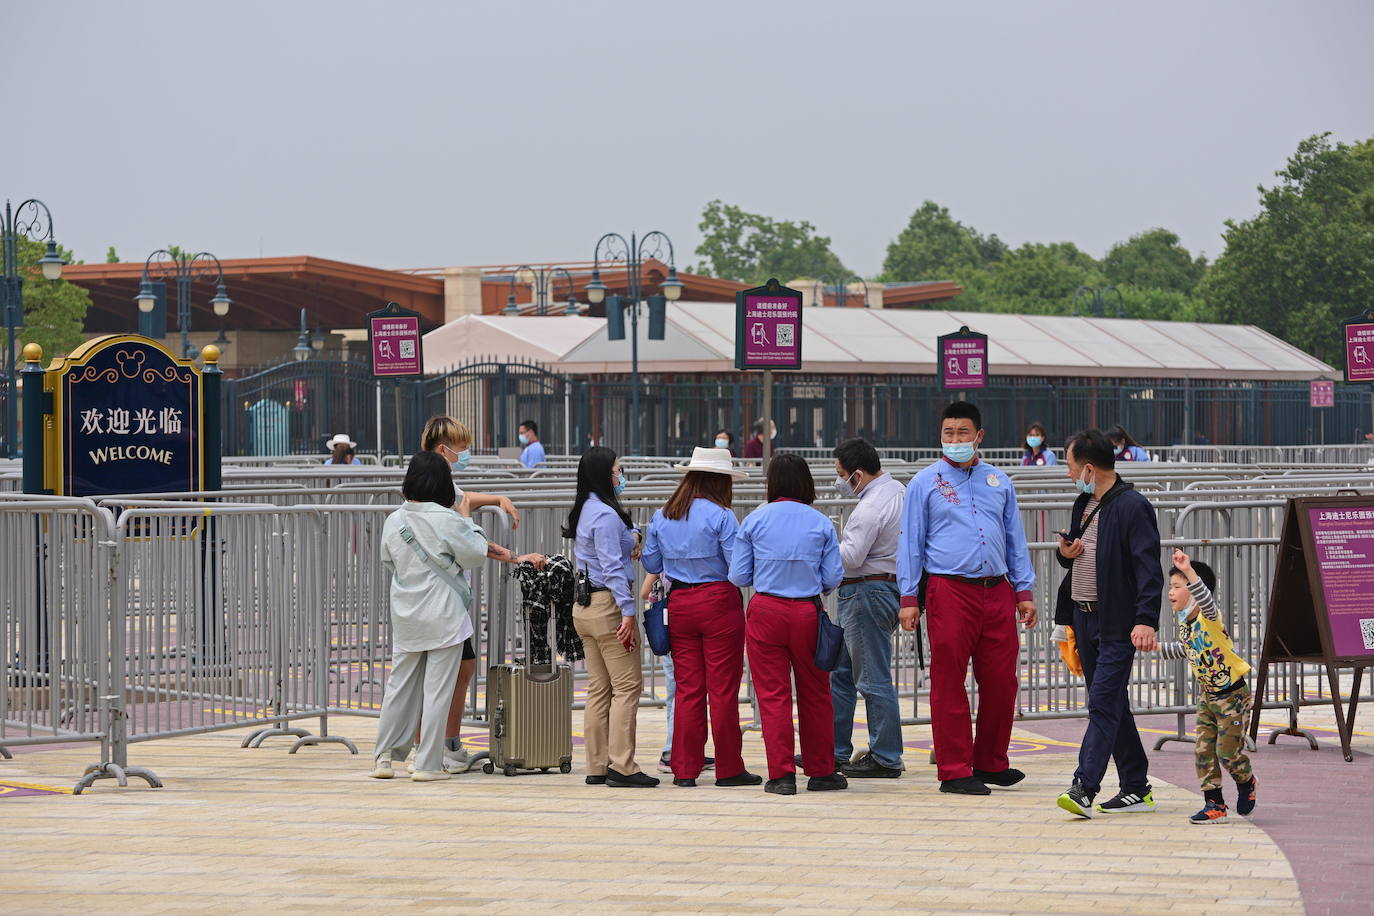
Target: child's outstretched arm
column 1173, row 650
column 1206, row 602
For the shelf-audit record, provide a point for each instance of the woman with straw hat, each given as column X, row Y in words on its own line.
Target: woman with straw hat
column 690, row 541
column 341, row 450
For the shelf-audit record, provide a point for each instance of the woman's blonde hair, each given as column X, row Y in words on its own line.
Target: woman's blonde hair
column 445, row 431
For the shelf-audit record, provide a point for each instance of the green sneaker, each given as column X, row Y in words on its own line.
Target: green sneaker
column 1129, row 803
column 1077, row 800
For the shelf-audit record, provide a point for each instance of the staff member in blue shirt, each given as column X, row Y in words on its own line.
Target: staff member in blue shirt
column 690, row 541
column 533, row 455
column 605, row 545
column 789, row 553
column 960, row 525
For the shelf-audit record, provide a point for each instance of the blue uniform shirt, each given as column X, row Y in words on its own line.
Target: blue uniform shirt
column 962, row 522
column 692, row 549
column 603, row 548
column 532, row 455
column 788, row 549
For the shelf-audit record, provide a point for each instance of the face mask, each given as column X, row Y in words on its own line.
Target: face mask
column 1035, row 441
column 462, row 461
column 620, row 484
column 722, row 443
column 1084, row 485
column 844, row 487
column 959, row 452
column 524, row 439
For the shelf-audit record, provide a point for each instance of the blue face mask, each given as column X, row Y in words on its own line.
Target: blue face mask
column 1084, row 485
column 620, row 483
column 722, row 443
column 524, row 439
column 463, row 460
column 1035, row 441
column 959, row 452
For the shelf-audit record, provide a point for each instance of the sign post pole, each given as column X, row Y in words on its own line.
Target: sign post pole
column 37, row 403
column 396, row 344
column 768, row 336
column 380, row 450
column 214, row 439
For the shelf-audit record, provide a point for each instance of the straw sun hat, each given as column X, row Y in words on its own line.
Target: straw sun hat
column 339, row 439
column 712, row 461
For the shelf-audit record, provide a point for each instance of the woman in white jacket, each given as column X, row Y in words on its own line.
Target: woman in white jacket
column 429, row 614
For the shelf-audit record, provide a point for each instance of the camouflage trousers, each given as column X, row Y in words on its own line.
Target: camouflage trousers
column 1221, row 723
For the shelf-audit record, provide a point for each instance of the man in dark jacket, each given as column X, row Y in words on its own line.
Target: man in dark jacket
column 1112, row 599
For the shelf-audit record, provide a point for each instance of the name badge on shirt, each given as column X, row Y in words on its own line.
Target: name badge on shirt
column 993, row 481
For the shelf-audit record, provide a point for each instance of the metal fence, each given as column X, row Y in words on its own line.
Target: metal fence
column 293, row 408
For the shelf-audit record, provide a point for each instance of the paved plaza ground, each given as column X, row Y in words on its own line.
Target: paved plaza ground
column 243, row 831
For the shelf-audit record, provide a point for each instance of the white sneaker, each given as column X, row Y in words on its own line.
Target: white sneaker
column 459, row 761
column 381, row 768
column 428, row 776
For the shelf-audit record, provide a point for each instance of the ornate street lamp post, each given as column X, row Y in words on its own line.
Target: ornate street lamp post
column 542, row 280
column 185, row 269
column 33, row 220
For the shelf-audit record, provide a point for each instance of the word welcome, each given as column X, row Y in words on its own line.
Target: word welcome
column 130, row 453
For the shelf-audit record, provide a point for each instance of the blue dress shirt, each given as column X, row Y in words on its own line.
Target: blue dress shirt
column 788, row 549
column 602, row 547
column 532, row 455
column 692, row 549
column 962, row 522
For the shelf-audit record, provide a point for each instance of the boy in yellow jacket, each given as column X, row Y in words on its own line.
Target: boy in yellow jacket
column 1224, row 698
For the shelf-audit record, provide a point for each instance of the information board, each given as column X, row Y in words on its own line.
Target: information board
column 963, row 360
column 1322, row 394
column 1359, row 348
column 127, row 419
column 394, row 338
column 768, row 327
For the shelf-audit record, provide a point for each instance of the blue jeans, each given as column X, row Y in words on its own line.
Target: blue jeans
column 670, row 686
column 868, row 613
column 1111, row 726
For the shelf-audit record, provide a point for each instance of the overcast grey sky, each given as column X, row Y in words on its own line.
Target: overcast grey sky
column 406, row 134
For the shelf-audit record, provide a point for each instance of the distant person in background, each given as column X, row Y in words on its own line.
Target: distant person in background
column 341, row 450
column 1127, row 449
column 726, row 440
column 533, row 455
column 1036, row 453
column 754, row 447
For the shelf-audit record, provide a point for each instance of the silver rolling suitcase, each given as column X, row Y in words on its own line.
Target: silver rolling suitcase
column 529, row 711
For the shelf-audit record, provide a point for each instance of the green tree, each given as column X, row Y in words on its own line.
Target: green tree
column 111, row 256
column 1036, row 279
column 936, row 246
column 1154, row 260
column 1306, row 261
column 750, row 248
column 54, row 310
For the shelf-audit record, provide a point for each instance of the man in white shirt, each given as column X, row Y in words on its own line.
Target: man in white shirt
column 868, row 609
column 533, row 455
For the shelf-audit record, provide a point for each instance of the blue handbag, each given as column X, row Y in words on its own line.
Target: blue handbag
column 656, row 621
column 829, row 640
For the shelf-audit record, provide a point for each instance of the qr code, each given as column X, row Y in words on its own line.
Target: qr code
column 975, row 366
column 407, row 349
column 1367, row 631
column 784, row 334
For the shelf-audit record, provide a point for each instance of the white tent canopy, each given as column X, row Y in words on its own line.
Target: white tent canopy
column 701, row 338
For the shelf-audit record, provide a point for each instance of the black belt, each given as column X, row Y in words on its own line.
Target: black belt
column 1087, row 607
column 877, row 577
column 598, row 588
column 677, row 585
column 811, row 600
column 981, row 581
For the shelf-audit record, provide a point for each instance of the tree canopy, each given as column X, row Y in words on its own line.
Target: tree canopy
column 750, row 248
column 935, row 246
column 54, row 310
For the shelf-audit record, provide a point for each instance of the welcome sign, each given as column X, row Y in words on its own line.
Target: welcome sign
column 128, row 418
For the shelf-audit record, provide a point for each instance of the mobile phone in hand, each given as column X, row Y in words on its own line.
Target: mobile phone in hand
column 1063, row 534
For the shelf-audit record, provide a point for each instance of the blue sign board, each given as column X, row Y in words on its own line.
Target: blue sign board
column 129, row 417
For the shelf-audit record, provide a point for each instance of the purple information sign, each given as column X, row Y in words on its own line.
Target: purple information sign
column 963, row 360
column 1323, row 394
column 394, row 335
column 1359, row 351
column 1344, row 541
column 768, row 328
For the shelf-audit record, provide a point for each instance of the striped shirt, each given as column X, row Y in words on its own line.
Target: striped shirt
column 1084, row 587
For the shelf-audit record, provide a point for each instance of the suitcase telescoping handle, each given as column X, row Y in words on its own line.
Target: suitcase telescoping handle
column 541, row 673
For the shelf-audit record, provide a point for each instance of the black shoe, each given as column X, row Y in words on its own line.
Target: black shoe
column 966, row 786
column 1245, row 802
column 742, row 779
column 634, row 781
column 832, row 783
column 596, row 780
column 708, row 763
column 1003, row 778
column 865, row 767
column 685, row 783
column 783, row 785
column 1078, row 800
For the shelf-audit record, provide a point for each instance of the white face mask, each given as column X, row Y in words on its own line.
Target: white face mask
column 845, row 487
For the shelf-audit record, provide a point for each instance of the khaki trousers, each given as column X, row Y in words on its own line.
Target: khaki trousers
column 614, row 689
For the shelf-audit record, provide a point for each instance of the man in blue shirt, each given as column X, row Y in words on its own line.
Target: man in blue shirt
column 533, row 455
column 960, row 526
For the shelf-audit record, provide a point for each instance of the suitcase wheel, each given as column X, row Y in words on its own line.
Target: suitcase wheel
column 509, row 770
column 543, row 769
column 565, row 767
column 488, row 768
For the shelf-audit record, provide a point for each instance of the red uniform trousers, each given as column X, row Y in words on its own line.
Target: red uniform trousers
column 979, row 622
column 780, row 634
column 706, row 630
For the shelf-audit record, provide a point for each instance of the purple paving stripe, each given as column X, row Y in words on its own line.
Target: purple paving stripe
column 13, row 790
column 1312, row 804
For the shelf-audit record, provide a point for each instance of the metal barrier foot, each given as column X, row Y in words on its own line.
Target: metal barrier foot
column 116, row 772
column 5, row 753
column 311, row 740
column 258, row 737
column 1295, row 732
column 1182, row 739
